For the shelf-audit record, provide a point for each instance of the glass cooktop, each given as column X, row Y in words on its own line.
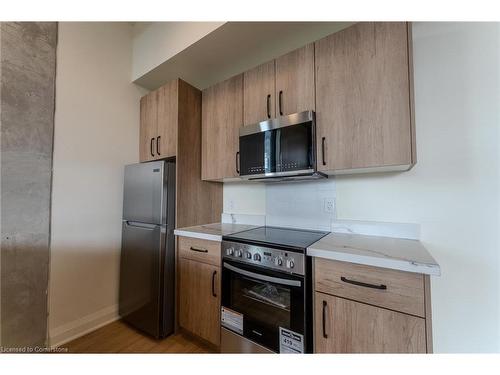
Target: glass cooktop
column 285, row 237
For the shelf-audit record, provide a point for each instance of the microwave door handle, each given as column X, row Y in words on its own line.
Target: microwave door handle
column 260, row 277
column 279, row 155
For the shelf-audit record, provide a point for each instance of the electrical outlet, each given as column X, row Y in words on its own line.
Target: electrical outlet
column 328, row 206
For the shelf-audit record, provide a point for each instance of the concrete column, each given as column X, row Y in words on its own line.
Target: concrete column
column 27, row 84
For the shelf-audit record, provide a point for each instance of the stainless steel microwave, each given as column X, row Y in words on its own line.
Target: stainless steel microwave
column 279, row 149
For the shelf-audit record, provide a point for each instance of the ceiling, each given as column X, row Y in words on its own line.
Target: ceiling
column 233, row 48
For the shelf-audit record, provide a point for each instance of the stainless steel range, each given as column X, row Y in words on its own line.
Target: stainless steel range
column 267, row 291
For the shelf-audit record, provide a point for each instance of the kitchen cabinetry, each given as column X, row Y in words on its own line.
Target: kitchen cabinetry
column 279, row 87
column 364, row 309
column 358, row 80
column 352, row 327
column 148, row 127
column 199, row 278
column 222, row 117
column 168, row 102
column 198, row 202
column 295, row 81
column 159, row 123
column 364, row 109
column 258, row 94
column 171, row 127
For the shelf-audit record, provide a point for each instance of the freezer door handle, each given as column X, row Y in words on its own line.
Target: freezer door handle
column 135, row 224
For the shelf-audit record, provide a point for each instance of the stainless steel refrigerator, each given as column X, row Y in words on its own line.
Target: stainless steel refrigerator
column 147, row 254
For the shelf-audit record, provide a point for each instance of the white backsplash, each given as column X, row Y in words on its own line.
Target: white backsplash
column 293, row 204
column 300, row 204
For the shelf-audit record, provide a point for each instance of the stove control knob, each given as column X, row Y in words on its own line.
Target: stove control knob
column 230, row 251
column 238, row 253
column 278, row 261
column 290, row 263
column 248, row 255
column 257, row 257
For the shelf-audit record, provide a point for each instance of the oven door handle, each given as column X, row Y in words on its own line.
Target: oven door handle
column 257, row 276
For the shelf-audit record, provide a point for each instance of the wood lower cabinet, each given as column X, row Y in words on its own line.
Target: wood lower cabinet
column 403, row 291
column 344, row 326
column 222, row 117
column 295, row 81
column 365, row 309
column 199, row 299
column 259, row 102
column 364, row 109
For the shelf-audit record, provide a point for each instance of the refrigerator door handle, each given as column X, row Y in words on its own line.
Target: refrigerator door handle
column 140, row 225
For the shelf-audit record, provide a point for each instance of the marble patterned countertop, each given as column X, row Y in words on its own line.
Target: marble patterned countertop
column 386, row 252
column 212, row 232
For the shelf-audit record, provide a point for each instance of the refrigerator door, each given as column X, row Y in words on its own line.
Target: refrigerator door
column 143, row 193
column 141, row 261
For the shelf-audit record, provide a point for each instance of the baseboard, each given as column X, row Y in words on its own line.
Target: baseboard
column 81, row 326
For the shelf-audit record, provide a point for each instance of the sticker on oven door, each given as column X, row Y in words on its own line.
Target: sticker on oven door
column 232, row 320
column 291, row 342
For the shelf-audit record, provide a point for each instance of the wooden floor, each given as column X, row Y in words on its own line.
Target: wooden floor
column 118, row 337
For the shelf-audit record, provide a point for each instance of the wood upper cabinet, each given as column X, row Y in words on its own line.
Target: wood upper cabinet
column 148, row 127
column 199, row 299
column 159, row 123
column 222, row 117
column 295, row 81
column 363, row 98
column 344, row 326
column 166, row 141
column 259, row 100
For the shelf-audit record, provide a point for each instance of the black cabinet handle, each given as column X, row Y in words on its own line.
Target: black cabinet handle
column 158, row 145
column 269, row 106
column 213, row 284
column 324, row 320
column 237, row 162
column 151, row 147
column 366, row 285
column 280, row 102
column 323, row 149
column 199, row 250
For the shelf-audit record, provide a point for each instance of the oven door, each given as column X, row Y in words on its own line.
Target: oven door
column 278, row 147
column 264, row 301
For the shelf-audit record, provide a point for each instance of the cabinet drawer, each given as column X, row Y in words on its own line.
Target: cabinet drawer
column 392, row 289
column 200, row 250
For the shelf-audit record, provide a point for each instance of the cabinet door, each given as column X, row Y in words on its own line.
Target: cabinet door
column 166, row 137
column 295, row 81
column 344, row 326
column 148, row 127
column 199, row 299
column 258, row 94
column 222, row 116
column 363, row 97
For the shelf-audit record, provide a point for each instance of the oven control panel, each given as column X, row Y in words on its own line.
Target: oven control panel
column 282, row 260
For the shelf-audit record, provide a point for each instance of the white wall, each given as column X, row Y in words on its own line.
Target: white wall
column 453, row 191
column 156, row 42
column 96, row 133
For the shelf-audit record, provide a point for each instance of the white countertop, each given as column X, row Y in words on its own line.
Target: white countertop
column 212, row 232
column 385, row 252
